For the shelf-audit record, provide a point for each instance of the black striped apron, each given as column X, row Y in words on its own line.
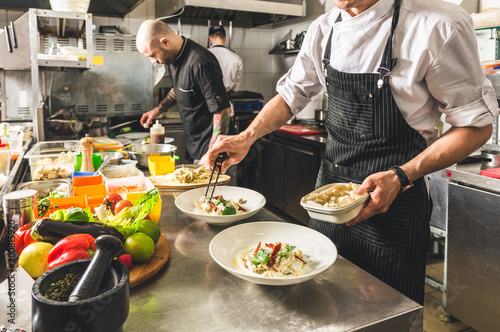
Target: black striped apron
column 367, row 134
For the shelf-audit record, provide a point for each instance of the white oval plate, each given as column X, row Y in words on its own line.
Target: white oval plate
column 254, row 203
column 318, row 251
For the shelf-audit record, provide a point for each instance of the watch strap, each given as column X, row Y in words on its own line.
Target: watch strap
column 405, row 182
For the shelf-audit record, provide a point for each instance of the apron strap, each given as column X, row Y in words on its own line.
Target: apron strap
column 328, row 50
column 388, row 63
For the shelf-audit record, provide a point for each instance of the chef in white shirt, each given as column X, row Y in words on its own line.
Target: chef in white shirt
column 230, row 62
column 391, row 69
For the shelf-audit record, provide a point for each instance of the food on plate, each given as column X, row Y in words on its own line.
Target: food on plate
column 219, row 206
column 186, row 176
column 335, row 196
column 122, row 204
column 272, row 260
column 192, row 175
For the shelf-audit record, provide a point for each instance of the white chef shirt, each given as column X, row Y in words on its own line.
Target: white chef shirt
column 231, row 65
column 438, row 68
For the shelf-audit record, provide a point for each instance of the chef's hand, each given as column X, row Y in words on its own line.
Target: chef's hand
column 383, row 187
column 148, row 117
column 236, row 147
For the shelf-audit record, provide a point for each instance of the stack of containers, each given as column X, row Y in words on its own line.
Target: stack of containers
column 53, row 163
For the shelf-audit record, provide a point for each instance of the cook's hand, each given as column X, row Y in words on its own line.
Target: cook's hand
column 148, row 117
column 383, row 187
column 236, row 147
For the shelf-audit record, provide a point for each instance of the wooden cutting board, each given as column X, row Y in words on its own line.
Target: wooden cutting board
column 142, row 272
column 301, row 130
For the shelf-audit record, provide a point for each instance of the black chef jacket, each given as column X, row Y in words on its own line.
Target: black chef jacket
column 199, row 90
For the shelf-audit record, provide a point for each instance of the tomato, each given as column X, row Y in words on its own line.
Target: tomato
column 122, row 204
column 111, row 200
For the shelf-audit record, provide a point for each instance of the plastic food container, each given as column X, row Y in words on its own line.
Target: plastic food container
column 44, row 188
column 121, row 171
column 336, row 215
column 52, row 160
column 92, row 190
column 161, row 165
column 128, row 185
column 96, row 161
column 80, row 181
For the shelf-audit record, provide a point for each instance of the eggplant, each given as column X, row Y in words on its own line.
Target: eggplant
column 49, row 230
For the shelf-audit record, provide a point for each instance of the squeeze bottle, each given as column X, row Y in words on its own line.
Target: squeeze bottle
column 157, row 133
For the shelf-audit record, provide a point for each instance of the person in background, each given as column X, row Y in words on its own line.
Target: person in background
column 232, row 70
column 198, row 88
column 230, row 62
column 386, row 93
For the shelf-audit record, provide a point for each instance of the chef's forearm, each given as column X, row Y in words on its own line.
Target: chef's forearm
column 221, row 124
column 274, row 115
column 168, row 101
column 456, row 144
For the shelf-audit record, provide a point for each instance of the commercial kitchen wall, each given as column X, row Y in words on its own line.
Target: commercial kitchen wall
column 261, row 70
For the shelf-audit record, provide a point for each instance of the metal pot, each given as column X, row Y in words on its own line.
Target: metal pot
column 320, row 115
column 65, row 127
column 492, row 158
column 97, row 126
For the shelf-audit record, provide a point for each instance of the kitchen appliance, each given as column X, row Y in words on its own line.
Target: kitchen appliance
column 246, row 14
column 247, row 105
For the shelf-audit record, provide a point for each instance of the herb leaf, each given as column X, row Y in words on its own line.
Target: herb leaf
column 261, row 257
column 286, row 251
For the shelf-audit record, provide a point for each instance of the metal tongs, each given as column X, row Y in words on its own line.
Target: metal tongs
column 218, row 163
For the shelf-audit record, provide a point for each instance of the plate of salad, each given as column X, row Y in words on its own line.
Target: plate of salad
column 227, row 205
column 273, row 253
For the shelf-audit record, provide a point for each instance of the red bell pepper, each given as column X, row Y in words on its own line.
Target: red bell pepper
column 70, row 248
column 23, row 238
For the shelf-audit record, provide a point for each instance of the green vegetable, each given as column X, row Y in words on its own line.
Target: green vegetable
column 261, row 257
column 228, row 210
column 221, row 201
column 142, row 206
column 286, row 251
column 73, row 214
column 44, row 203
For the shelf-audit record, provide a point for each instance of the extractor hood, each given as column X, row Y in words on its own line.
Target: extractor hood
column 113, row 8
column 242, row 13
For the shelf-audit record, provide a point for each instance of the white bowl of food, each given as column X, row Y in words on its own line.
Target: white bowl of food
column 233, row 247
column 335, row 202
column 245, row 202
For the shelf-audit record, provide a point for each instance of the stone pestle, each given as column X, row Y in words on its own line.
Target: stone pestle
column 107, row 247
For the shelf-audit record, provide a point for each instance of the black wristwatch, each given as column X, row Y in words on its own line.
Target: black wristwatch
column 405, row 182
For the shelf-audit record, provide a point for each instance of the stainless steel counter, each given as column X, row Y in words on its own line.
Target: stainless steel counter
column 473, row 249
column 192, row 293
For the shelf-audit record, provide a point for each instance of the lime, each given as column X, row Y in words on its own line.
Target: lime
column 140, row 246
column 33, row 258
column 149, row 228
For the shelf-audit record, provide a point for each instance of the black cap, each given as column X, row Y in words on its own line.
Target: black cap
column 216, row 28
